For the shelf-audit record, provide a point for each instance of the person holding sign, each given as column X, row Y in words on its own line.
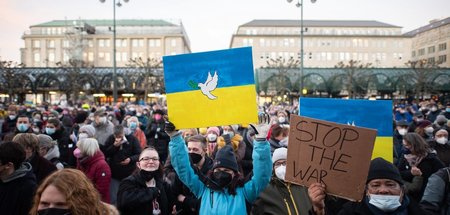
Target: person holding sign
column 224, row 192
column 282, row 197
column 384, row 193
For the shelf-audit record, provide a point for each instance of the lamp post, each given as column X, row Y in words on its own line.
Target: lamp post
column 300, row 5
column 118, row 4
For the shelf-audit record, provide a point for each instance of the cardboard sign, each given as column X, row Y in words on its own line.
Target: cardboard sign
column 211, row 88
column 333, row 154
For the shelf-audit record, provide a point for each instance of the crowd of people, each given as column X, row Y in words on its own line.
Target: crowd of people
column 131, row 159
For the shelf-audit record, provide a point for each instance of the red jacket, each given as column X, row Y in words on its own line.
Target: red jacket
column 98, row 171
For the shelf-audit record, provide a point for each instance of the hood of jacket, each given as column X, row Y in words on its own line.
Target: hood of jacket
column 22, row 171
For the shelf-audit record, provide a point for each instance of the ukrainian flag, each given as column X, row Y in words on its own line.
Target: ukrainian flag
column 361, row 113
column 211, row 88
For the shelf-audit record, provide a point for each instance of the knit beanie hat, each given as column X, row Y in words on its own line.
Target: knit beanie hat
column 235, row 128
column 440, row 119
column 382, row 169
column 89, row 129
column 225, row 158
column 45, row 141
column 279, row 154
column 214, row 129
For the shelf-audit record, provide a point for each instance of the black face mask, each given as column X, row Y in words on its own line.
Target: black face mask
column 222, row 178
column 54, row 211
column 148, row 175
column 195, row 157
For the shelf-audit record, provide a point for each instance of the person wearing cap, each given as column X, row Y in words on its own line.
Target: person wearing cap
column 384, row 193
column 401, row 128
column 282, row 197
column 212, row 133
column 417, row 119
column 225, row 191
column 156, row 136
column 103, row 127
column 48, row 148
column 433, row 112
column 418, row 160
column 441, row 145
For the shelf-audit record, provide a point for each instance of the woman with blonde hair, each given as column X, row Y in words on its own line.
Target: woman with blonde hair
column 92, row 162
column 69, row 191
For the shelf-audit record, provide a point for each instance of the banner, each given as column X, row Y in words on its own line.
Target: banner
column 211, row 88
column 364, row 113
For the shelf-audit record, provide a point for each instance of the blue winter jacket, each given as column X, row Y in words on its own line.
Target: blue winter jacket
column 216, row 202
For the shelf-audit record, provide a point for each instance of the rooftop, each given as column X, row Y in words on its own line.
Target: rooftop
column 432, row 25
column 318, row 23
column 107, row 22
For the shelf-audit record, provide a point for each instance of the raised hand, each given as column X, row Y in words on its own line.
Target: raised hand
column 262, row 128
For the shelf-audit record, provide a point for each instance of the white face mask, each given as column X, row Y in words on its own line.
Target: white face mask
column 429, row 130
column 280, row 172
column 281, row 119
column 386, row 203
column 433, row 109
column 82, row 136
column 442, row 140
column 284, row 141
column 212, row 137
column 402, row 131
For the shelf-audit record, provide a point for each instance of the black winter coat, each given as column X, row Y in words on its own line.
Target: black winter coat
column 66, row 147
column 135, row 198
column 114, row 155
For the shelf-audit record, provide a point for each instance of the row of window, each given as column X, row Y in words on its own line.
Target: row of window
column 339, row 56
column 107, row 43
column 430, row 49
column 320, row 31
column 103, row 56
column 356, row 43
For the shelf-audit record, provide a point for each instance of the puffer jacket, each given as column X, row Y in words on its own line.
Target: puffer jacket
column 98, row 171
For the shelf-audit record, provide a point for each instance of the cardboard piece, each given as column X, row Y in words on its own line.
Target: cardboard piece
column 334, row 154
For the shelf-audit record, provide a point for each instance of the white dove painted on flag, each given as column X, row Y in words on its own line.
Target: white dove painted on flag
column 209, row 85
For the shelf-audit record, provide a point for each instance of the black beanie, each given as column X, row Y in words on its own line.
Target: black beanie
column 225, row 158
column 382, row 169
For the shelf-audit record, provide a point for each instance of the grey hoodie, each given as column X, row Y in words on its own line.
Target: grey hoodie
column 23, row 170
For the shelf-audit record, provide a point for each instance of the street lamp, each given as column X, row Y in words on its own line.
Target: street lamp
column 118, row 4
column 300, row 5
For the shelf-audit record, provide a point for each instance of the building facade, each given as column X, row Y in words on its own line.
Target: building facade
column 325, row 42
column 432, row 42
column 48, row 43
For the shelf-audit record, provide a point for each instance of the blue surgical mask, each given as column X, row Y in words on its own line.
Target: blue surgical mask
column 22, row 127
column 447, row 109
column 133, row 125
column 229, row 133
column 386, row 203
column 50, row 131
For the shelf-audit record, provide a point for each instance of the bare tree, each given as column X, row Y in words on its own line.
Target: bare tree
column 423, row 71
column 282, row 66
column 354, row 73
column 74, row 77
column 148, row 70
column 9, row 79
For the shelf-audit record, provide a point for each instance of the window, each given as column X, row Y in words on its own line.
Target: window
column 262, row 43
column 51, row 44
column 37, row 57
column 421, row 51
column 124, row 56
column 442, row 46
column 442, row 59
column 107, row 57
column 91, row 56
column 101, row 43
column 137, row 42
column 173, row 42
column 118, row 56
column 101, row 55
column 51, row 57
column 36, row 44
column 65, row 57
column 65, row 43
column 90, row 43
column 413, row 53
column 431, row 49
column 430, row 60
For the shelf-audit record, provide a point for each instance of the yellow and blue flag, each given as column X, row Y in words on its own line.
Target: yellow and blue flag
column 211, row 88
column 361, row 113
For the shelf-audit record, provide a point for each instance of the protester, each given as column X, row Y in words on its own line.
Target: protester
column 441, row 145
column 92, row 162
column 232, row 137
column 212, row 133
column 156, row 137
column 402, row 114
column 48, row 148
column 418, row 160
column 69, row 191
column 56, row 130
column 103, row 127
column 17, row 181
column 186, row 202
column 425, row 130
column 41, row 166
column 281, row 197
column 9, row 125
column 435, row 200
column 384, row 193
column 122, row 152
column 133, row 124
column 145, row 192
column 224, row 192
column 278, row 136
column 23, row 125
column 401, row 128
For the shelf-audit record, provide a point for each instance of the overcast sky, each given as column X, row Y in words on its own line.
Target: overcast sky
column 209, row 23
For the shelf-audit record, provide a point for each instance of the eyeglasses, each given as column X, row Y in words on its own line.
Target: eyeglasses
column 147, row 159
